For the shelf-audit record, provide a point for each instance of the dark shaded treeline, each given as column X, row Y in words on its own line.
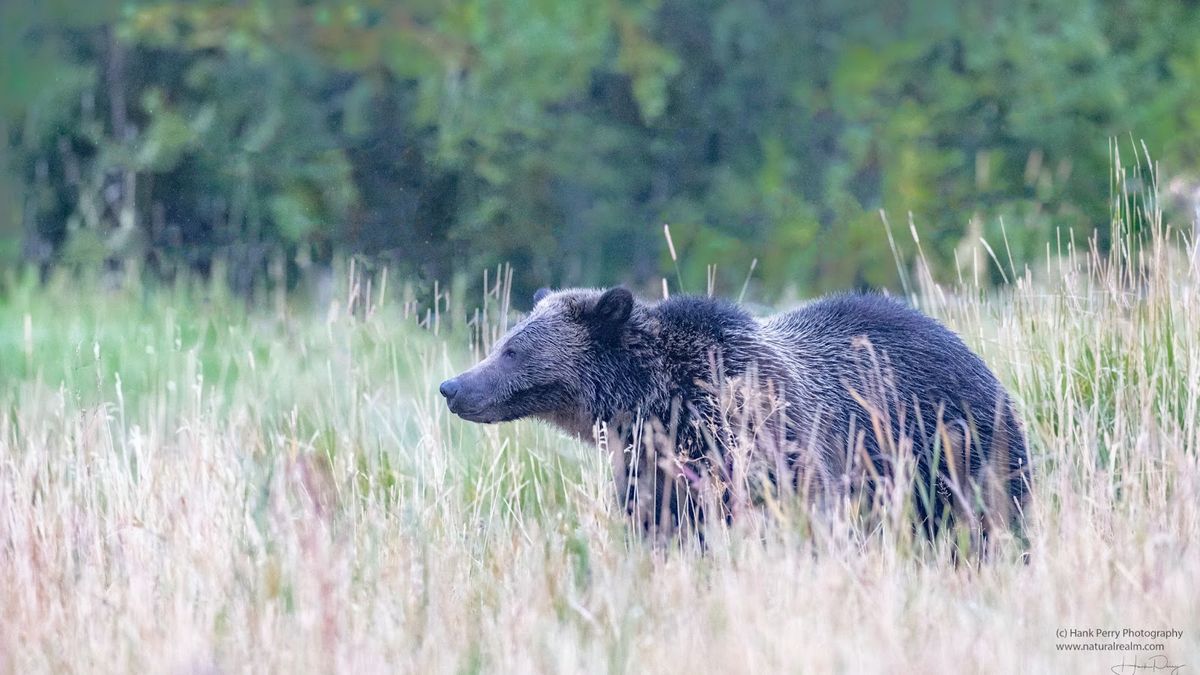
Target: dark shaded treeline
column 560, row 136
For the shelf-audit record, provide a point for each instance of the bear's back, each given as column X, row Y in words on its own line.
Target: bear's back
column 851, row 348
column 836, row 334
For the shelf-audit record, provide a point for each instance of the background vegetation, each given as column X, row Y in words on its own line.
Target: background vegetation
column 194, row 482
column 559, row 135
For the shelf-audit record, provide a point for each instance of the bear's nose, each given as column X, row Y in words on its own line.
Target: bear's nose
column 449, row 388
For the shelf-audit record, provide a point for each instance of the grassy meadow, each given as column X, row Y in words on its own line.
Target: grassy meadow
column 190, row 483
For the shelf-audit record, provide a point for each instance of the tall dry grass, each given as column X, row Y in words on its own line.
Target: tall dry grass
column 190, row 486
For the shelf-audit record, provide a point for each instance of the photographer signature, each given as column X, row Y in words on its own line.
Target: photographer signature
column 1154, row 664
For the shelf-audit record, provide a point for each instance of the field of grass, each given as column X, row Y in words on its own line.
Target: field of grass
column 191, row 485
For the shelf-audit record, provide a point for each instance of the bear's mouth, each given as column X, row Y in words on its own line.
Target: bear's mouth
column 490, row 413
column 483, row 416
column 479, row 414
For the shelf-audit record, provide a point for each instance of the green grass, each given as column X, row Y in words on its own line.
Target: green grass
column 191, row 483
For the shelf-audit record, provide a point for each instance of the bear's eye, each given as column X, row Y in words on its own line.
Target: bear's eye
column 510, row 353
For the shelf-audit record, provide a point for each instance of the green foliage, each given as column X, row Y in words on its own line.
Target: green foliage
column 559, row 136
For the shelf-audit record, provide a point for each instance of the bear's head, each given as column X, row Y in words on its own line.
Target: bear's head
column 558, row 364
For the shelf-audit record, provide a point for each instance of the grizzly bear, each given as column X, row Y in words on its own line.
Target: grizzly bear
column 697, row 400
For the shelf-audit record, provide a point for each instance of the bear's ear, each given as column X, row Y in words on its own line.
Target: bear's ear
column 614, row 307
column 539, row 295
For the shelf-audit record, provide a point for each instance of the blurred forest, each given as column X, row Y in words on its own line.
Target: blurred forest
column 442, row 136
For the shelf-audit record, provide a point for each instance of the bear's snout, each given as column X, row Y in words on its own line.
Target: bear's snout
column 463, row 398
column 449, row 388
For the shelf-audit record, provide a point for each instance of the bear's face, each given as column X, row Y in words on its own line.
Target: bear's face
column 546, row 364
